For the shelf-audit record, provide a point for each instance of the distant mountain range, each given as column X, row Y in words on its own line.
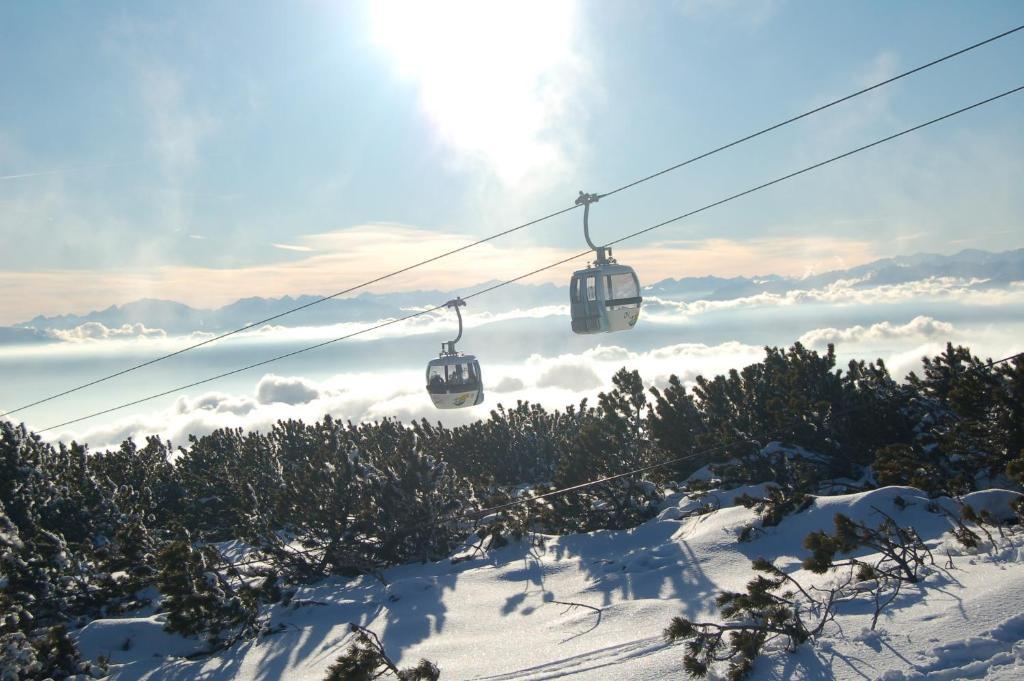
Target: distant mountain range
column 175, row 318
column 998, row 269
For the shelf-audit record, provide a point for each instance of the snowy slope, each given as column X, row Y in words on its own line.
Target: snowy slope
column 504, row 615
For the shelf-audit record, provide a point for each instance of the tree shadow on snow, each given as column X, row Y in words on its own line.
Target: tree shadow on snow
column 414, row 607
column 323, row 633
column 810, row 665
column 644, row 562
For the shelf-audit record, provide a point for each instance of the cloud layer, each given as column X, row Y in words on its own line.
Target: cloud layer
column 94, row 331
column 331, row 261
column 274, row 389
column 846, row 292
column 921, row 328
column 555, row 381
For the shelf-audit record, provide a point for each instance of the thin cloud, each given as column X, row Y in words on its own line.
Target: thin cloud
column 63, row 171
column 292, row 247
column 844, row 292
column 343, row 258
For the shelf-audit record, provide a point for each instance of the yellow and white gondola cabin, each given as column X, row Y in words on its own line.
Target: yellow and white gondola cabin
column 454, row 380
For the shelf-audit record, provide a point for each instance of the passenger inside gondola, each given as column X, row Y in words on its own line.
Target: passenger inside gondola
column 436, row 383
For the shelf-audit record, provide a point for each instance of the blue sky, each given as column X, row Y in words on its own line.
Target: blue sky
column 193, row 137
column 204, row 152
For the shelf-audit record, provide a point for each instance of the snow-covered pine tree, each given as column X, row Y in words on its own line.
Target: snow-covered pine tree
column 44, row 582
column 322, row 497
column 206, row 469
column 613, row 439
column 967, row 417
column 202, row 595
column 411, row 497
column 678, row 428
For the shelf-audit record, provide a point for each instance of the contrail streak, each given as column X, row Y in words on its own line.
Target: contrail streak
column 59, row 171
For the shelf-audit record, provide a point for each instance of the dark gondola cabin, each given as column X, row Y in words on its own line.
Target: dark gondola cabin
column 604, row 297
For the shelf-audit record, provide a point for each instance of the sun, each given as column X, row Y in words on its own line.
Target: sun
column 495, row 79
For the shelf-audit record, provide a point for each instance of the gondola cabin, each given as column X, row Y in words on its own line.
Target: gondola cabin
column 604, row 298
column 454, row 381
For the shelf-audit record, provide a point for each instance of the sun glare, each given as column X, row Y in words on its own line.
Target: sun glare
column 494, row 79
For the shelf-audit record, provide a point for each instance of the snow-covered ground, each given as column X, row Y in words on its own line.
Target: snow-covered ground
column 510, row 614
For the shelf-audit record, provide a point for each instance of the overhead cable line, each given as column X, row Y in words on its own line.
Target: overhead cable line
column 544, row 268
column 255, row 324
column 848, row 97
column 637, row 471
column 819, row 164
column 482, row 513
column 517, row 228
column 479, row 514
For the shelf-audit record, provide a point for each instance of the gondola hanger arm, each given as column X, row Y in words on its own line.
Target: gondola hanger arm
column 449, row 347
column 602, row 253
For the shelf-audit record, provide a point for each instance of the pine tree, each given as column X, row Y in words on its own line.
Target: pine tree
column 611, row 440
column 203, row 595
column 366, row 660
column 206, row 469
column 678, row 428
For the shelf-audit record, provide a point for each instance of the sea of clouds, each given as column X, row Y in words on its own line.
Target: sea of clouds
column 527, row 354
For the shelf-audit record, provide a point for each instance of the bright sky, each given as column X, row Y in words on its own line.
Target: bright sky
column 207, row 151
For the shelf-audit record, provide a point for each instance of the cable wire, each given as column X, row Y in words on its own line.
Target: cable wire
column 479, row 514
column 286, row 312
column 512, row 229
column 814, row 111
column 546, row 267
